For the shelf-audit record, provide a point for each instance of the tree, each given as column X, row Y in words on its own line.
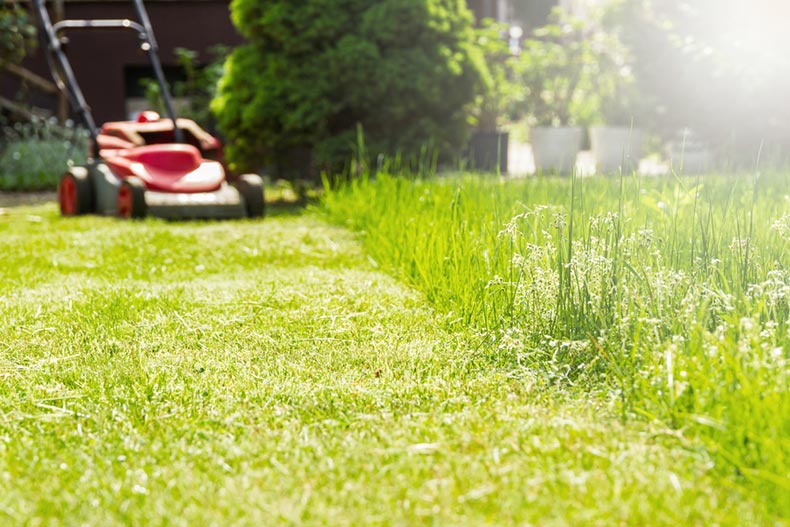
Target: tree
column 314, row 73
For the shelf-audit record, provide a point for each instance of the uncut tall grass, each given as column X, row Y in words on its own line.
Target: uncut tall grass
column 670, row 294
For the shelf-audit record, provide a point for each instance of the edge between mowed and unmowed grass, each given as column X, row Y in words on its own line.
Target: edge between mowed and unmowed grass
column 666, row 297
column 548, row 351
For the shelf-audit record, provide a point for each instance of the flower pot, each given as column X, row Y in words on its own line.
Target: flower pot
column 688, row 155
column 616, row 147
column 555, row 148
column 688, row 162
column 488, row 151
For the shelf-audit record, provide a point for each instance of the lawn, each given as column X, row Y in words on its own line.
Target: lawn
column 294, row 372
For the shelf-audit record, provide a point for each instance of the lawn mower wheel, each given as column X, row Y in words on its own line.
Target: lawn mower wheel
column 75, row 192
column 250, row 186
column 131, row 198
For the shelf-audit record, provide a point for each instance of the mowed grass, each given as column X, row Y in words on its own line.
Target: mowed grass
column 268, row 373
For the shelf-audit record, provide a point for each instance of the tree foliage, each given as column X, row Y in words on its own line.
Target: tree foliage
column 17, row 32
column 494, row 104
column 198, row 86
column 555, row 71
column 316, row 72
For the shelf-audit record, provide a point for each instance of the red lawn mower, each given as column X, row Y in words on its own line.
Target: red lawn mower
column 169, row 168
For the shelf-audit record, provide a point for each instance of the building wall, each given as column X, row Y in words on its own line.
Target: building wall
column 483, row 8
column 101, row 59
column 525, row 13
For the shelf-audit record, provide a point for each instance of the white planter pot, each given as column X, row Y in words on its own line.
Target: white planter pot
column 689, row 159
column 616, row 147
column 688, row 154
column 555, row 149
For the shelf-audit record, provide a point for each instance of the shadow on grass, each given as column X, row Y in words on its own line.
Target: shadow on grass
column 10, row 199
column 279, row 207
column 285, row 208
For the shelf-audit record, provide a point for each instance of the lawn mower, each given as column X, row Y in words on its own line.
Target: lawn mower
column 164, row 167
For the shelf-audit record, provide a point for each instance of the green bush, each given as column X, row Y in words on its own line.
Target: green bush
column 313, row 73
column 556, row 73
column 199, row 85
column 17, row 32
column 34, row 155
column 494, row 105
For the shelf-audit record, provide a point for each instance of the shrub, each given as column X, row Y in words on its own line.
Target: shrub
column 494, row 105
column 556, row 70
column 34, row 155
column 314, row 72
column 199, row 85
column 17, row 32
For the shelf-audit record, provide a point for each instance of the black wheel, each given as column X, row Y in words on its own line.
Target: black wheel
column 131, row 198
column 250, row 186
column 75, row 192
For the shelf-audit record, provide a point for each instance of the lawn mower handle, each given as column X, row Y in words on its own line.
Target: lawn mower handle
column 153, row 55
column 71, row 88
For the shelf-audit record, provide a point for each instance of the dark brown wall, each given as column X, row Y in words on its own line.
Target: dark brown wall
column 482, row 8
column 528, row 13
column 100, row 56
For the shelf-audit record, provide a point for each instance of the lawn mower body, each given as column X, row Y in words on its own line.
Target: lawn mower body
column 137, row 170
column 169, row 168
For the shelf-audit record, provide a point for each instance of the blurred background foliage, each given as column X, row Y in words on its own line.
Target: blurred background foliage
column 198, row 87
column 34, row 155
column 17, row 32
column 718, row 67
column 314, row 74
column 322, row 83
